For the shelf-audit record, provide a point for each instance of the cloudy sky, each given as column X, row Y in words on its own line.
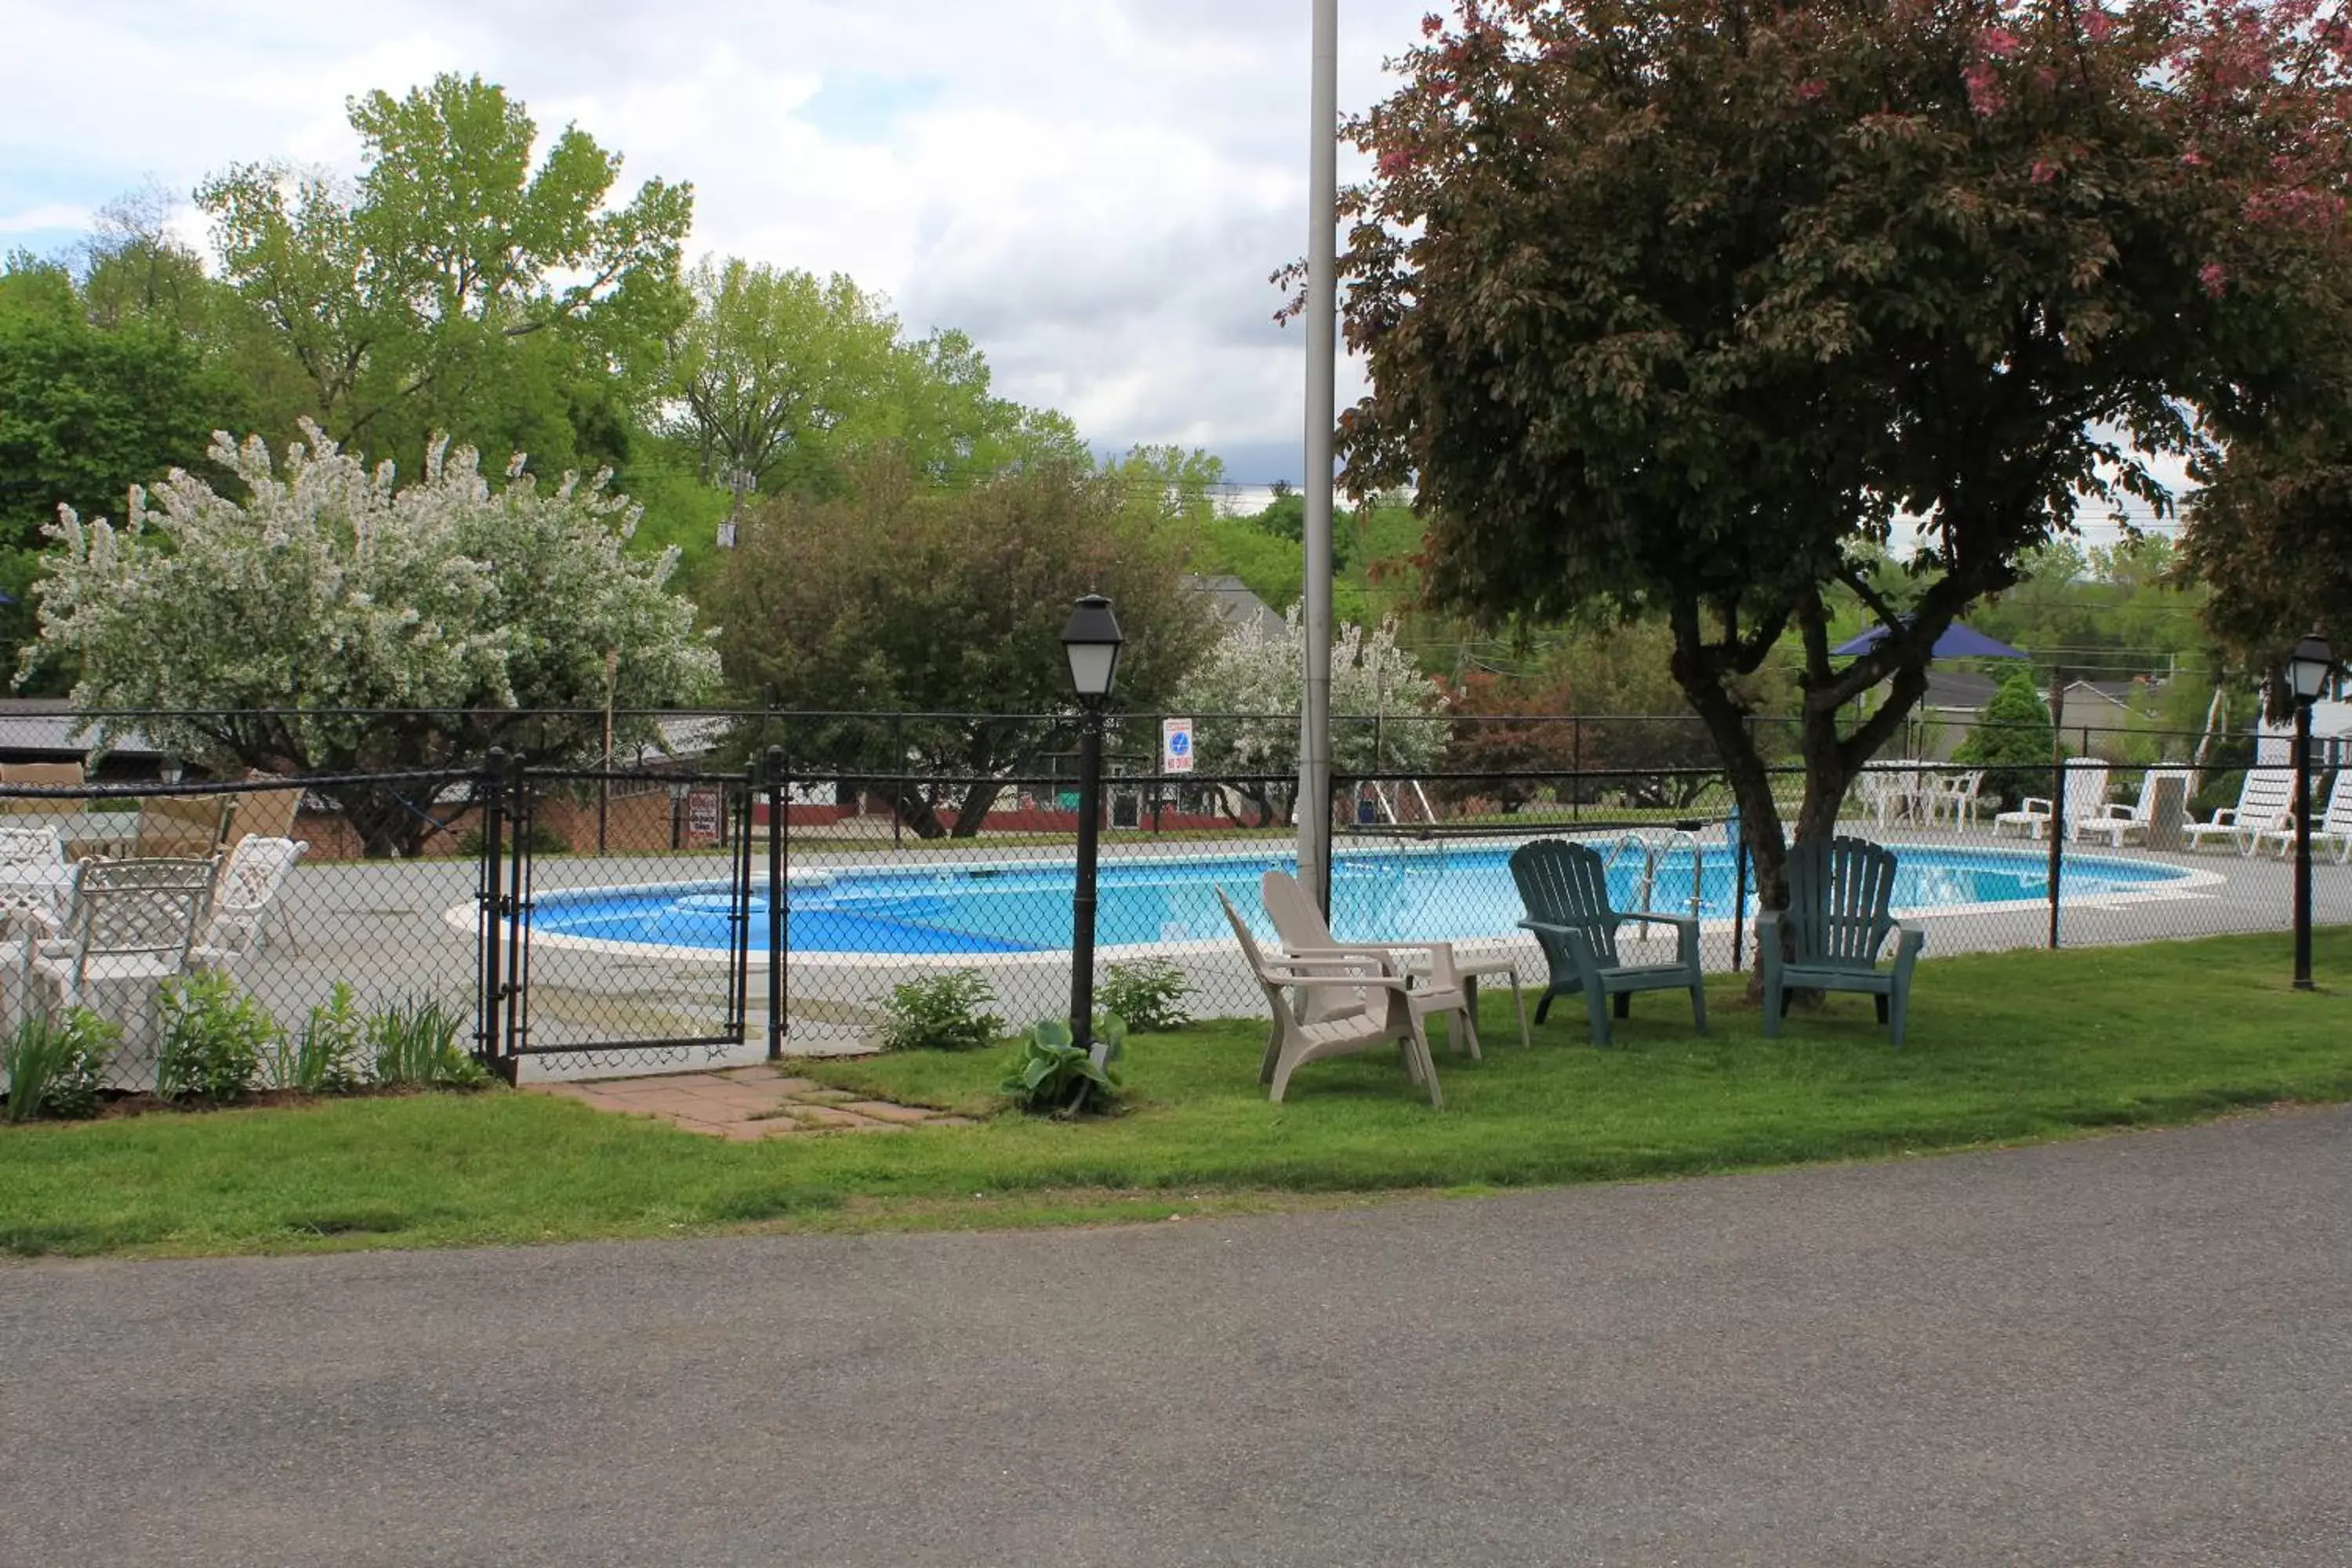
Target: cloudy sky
column 1096, row 190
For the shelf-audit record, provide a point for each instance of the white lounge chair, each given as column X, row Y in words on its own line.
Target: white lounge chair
column 2086, row 796
column 1451, row 983
column 2119, row 824
column 247, row 897
column 2266, row 804
column 1292, row 1043
column 2334, row 826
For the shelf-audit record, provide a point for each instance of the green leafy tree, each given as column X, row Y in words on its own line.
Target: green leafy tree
column 330, row 623
column 457, row 286
column 86, row 412
column 772, row 370
column 1248, row 690
column 2013, row 741
column 945, row 605
column 2271, row 538
column 1675, row 306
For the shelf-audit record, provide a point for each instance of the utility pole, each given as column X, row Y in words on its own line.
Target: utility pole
column 1322, row 415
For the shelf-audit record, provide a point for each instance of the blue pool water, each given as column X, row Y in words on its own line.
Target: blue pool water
column 1427, row 894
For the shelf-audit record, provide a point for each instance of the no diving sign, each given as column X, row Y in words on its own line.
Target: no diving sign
column 1175, row 745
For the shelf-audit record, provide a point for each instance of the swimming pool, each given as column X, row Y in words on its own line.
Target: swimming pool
column 1430, row 893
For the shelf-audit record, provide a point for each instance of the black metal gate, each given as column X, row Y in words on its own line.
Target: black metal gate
column 640, row 994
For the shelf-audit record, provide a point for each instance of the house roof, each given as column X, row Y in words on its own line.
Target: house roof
column 1232, row 602
column 1962, row 690
column 50, row 726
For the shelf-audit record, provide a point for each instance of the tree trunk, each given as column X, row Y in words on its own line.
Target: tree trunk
column 911, row 807
column 392, row 822
column 971, row 813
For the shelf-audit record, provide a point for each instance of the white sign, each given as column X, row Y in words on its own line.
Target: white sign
column 1175, row 745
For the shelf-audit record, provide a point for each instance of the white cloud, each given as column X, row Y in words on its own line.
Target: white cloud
column 1095, row 189
column 48, row 216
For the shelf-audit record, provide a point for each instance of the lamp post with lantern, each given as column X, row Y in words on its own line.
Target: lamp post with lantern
column 2307, row 669
column 1091, row 640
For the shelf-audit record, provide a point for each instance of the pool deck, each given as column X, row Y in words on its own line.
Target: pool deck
column 387, row 929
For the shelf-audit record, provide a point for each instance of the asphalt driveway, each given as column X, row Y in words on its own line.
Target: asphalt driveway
column 2127, row 1350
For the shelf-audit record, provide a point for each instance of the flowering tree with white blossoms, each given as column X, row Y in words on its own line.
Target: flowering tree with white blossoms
column 331, row 623
column 1250, row 688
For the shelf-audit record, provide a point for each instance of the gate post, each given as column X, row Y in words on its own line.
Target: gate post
column 774, row 779
column 490, row 993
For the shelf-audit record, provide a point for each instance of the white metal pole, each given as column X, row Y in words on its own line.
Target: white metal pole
column 1322, row 415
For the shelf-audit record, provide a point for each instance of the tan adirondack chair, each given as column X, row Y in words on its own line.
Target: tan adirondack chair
column 1292, row 1043
column 1450, row 984
column 176, row 826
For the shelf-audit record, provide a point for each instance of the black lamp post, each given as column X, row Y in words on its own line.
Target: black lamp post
column 1091, row 639
column 2307, row 669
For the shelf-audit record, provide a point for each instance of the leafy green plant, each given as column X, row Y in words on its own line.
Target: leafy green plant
column 1148, row 994
column 942, row 1012
column 325, row 1058
column 56, row 1064
column 2013, row 742
column 1055, row 1076
column 216, row 1038
column 415, row 1042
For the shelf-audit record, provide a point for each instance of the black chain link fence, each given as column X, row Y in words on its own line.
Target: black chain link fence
column 589, row 922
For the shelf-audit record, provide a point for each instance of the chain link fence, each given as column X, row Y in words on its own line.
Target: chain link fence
column 588, row 921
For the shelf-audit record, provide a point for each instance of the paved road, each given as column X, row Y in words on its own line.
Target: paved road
column 2132, row 1350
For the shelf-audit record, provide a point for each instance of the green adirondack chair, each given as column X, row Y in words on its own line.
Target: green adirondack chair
column 1565, row 887
column 1836, row 925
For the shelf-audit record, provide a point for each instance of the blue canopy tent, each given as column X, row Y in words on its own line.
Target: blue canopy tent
column 1958, row 642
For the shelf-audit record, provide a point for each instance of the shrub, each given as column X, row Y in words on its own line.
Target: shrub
column 1055, row 1076
column 1148, row 994
column 544, row 840
column 2220, row 790
column 2013, row 742
column 416, row 1043
column 942, row 1012
column 326, row 1058
column 57, row 1065
column 216, row 1038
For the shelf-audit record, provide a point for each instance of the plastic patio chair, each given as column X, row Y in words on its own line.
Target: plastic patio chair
column 2334, row 826
column 1565, row 887
column 2086, row 797
column 1292, row 1042
column 1835, row 927
column 2120, row 824
column 1450, row 976
column 2266, row 804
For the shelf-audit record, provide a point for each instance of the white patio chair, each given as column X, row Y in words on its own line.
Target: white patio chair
column 1957, row 796
column 2086, row 796
column 247, row 897
column 129, row 925
column 1451, row 984
column 1292, row 1043
column 2120, row 824
column 2334, row 826
column 2266, row 804
column 1891, row 790
column 34, row 878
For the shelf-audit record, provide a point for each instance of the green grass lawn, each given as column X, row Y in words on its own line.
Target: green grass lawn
column 2003, row 1047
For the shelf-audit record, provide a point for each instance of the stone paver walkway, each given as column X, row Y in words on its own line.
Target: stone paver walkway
column 747, row 1103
